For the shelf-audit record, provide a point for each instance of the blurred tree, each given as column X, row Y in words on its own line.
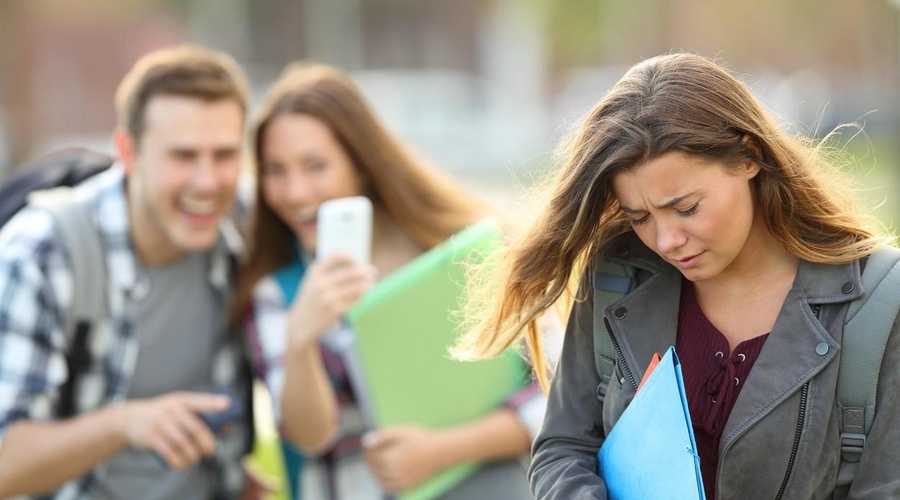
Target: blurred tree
column 594, row 32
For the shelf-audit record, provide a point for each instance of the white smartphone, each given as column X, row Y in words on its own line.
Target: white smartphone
column 344, row 225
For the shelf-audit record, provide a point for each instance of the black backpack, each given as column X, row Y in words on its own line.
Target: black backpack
column 66, row 167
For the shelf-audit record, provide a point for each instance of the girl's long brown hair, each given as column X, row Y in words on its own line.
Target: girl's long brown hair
column 427, row 204
column 676, row 102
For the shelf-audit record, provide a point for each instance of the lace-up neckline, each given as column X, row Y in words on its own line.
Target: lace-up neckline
column 713, row 377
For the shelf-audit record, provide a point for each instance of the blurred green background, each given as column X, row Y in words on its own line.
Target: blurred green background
column 484, row 88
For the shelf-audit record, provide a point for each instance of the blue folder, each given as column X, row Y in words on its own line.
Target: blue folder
column 651, row 451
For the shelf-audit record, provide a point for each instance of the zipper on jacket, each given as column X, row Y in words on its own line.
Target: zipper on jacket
column 620, row 358
column 804, row 392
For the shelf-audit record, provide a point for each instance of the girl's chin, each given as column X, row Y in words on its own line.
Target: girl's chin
column 308, row 245
column 305, row 233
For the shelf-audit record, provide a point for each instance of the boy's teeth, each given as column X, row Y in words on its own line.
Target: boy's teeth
column 199, row 206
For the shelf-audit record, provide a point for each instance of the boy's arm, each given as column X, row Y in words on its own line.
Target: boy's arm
column 39, row 457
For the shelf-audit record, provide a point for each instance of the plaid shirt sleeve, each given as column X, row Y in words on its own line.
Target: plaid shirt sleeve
column 34, row 275
column 529, row 403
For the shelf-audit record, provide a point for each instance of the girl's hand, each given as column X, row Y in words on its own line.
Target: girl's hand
column 401, row 457
column 331, row 286
column 257, row 486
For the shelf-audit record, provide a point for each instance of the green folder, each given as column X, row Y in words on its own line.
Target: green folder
column 403, row 330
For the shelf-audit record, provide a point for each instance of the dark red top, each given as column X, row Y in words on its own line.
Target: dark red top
column 712, row 378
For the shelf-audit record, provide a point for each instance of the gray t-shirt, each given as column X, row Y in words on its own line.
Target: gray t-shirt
column 179, row 320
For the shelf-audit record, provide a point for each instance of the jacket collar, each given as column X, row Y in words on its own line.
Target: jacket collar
column 815, row 283
column 645, row 321
column 822, row 283
column 801, row 344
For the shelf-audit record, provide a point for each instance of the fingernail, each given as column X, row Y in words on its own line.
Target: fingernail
column 367, row 439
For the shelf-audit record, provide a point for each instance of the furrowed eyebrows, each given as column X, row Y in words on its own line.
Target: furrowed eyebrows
column 668, row 204
column 676, row 200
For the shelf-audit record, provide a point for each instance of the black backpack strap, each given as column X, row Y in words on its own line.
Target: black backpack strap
column 82, row 242
column 236, row 243
column 611, row 282
column 249, row 406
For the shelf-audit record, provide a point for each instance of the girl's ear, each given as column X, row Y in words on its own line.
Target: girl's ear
column 750, row 166
column 751, row 144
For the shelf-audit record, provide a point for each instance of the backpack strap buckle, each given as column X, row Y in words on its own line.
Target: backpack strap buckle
column 605, row 367
column 601, row 389
column 852, row 445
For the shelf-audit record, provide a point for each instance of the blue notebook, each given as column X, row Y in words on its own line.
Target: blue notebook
column 651, row 451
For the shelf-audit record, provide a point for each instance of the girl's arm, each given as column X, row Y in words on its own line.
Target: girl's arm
column 289, row 339
column 403, row 457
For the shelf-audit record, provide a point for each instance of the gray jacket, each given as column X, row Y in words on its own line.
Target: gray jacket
column 792, row 385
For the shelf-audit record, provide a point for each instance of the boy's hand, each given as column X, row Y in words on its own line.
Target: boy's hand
column 171, row 426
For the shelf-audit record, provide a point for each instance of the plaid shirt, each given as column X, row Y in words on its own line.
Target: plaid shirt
column 342, row 467
column 36, row 290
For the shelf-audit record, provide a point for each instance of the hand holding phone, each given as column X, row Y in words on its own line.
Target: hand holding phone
column 219, row 420
column 344, row 225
